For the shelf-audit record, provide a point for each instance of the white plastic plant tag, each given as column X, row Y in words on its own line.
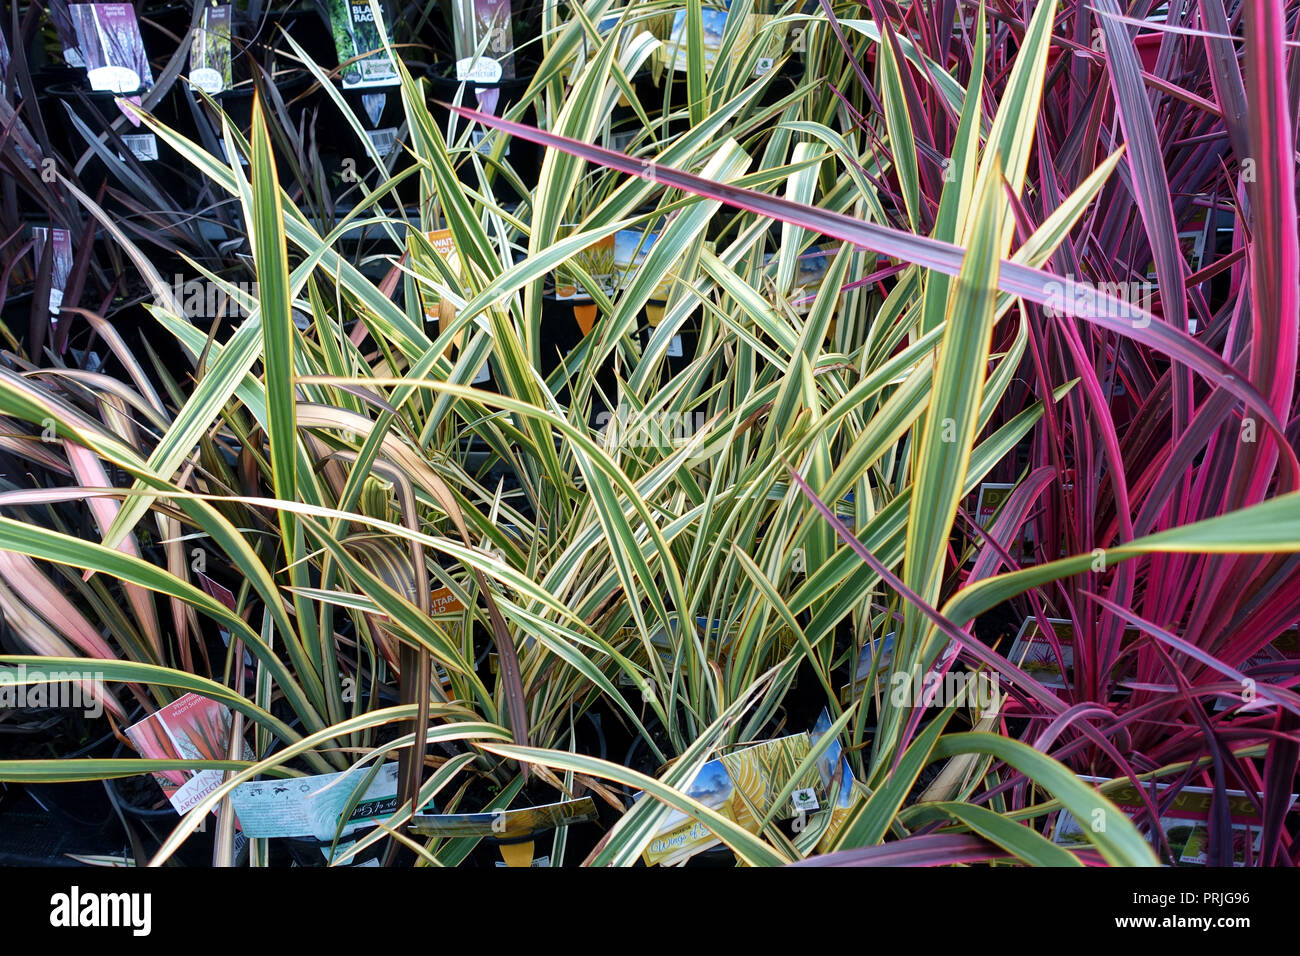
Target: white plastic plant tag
column 482, row 144
column 621, row 141
column 478, row 70
column 805, row 800
column 313, row 806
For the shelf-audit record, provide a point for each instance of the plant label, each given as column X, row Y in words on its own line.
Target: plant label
column 484, row 41
column 210, row 67
column 61, row 240
column 108, row 36
column 361, row 53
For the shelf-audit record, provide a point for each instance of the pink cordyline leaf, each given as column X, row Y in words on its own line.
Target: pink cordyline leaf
column 970, row 644
column 1146, row 160
column 1015, row 279
column 1275, row 252
column 927, row 849
column 90, row 471
column 31, row 585
column 1288, row 701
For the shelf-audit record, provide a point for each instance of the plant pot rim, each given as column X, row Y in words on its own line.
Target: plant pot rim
column 441, row 72
column 134, row 810
column 243, row 90
column 73, row 90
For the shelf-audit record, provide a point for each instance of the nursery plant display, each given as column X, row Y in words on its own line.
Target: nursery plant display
column 819, row 433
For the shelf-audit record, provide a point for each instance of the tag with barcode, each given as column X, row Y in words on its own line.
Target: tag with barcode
column 383, row 140
column 143, row 146
column 482, row 145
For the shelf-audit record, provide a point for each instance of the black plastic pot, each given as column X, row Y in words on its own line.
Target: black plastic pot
column 56, row 73
column 41, row 823
column 83, row 804
column 17, row 306
column 140, row 797
column 148, row 811
column 523, row 157
column 162, row 28
column 293, row 89
column 166, row 172
column 34, row 831
column 561, row 328
column 681, row 350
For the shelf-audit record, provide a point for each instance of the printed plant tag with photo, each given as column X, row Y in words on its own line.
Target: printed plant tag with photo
column 189, row 728
column 62, row 266
column 741, row 786
column 1184, row 820
column 108, row 36
column 715, row 24
column 484, row 41
column 210, row 68
column 357, row 42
